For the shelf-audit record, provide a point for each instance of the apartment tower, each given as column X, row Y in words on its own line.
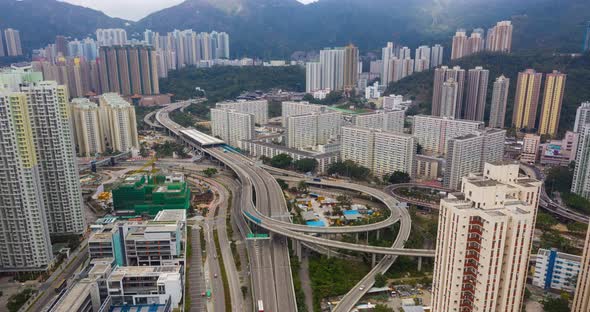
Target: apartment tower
column 499, row 99
column 477, row 91
column 552, row 100
column 442, row 75
column 526, row 99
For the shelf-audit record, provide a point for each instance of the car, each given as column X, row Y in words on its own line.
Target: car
column 215, row 275
column 362, row 288
column 203, row 294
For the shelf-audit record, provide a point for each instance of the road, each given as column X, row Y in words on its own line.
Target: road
column 195, row 274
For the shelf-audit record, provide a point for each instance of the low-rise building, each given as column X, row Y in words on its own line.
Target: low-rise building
column 559, row 152
column 556, row 270
column 530, row 148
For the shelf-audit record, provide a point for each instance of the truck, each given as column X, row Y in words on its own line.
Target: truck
column 317, row 180
column 260, row 306
column 61, row 285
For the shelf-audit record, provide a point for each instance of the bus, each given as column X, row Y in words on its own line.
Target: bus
column 260, row 306
column 61, row 285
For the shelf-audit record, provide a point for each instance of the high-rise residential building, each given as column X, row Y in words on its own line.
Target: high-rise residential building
column 581, row 301
column 582, row 116
column 499, row 99
column 118, row 122
column 448, row 101
column 442, row 75
column 468, row 153
column 24, row 232
column 313, row 77
column 232, row 126
column 436, row 56
column 289, row 108
column 460, row 47
column 111, row 36
column 484, row 241
column 552, row 99
column 586, row 46
column 259, row 108
column 581, row 181
column 13, row 42
column 309, row 130
column 526, row 99
column 434, row 132
column 499, row 38
column 422, row 58
column 129, row 70
column 386, row 55
column 81, row 77
column 381, row 151
column 477, row 92
column 61, row 45
column 332, row 66
column 391, row 121
column 404, row 53
column 351, row 66
column 2, row 51
column 87, row 127
column 475, row 43
column 530, row 148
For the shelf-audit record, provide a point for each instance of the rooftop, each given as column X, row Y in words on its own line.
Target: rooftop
column 171, row 215
column 201, row 138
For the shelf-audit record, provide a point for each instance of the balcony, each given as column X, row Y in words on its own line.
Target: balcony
column 476, row 222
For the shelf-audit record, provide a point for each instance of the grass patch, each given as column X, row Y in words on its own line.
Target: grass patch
column 333, row 277
column 224, row 278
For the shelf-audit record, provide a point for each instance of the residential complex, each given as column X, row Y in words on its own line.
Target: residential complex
column 499, row 37
column 392, row 121
column 41, row 184
column 552, row 100
column 581, row 181
column 436, row 56
column 307, row 131
column 433, row 133
column 526, row 99
column 381, row 151
column 448, row 100
column 232, row 126
column 337, row 69
column 258, row 108
column 86, row 124
column 477, row 91
column 12, row 43
column 111, row 36
column 129, row 69
column 118, row 123
column 289, row 108
column 459, row 46
column 484, row 240
column 499, row 100
column 442, row 75
column 556, row 270
column 469, row 153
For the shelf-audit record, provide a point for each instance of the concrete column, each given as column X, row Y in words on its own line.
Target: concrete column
column 298, row 250
column 419, row 264
column 367, row 237
column 378, row 231
column 373, row 260
column 357, row 237
column 329, row 252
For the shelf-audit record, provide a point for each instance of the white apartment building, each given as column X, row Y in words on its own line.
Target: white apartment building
column 232, row 126
column 392, row 121
column 332, row 68
column 433, row 132
column 111, row 36
column 581, row 181
column 299, row 108
column 313, row 77
column 381, row 151
column 499, row 99
column 87, row 127
column 306, row 131
column 556, row 270
column 530, row 148
column 449, row 93
column 582, row 116
column 436, row 56
column 395, row 102
column 468, row 153
column 118, row 123
column 133, row 285
column 484, row 241
column 258, row 108
column 422, row 58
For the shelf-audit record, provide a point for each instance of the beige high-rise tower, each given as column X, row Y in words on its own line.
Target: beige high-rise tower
column 552, row 99
column 484, row 241
column 351, row 66
column 460, row 47
column 526, row 99
column 118, row 123
column 87, row 127
column 582, row 296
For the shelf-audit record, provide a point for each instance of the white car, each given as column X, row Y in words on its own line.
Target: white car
column 362, row 288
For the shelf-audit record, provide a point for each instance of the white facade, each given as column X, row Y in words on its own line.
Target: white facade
column 386, row 70
column 232, row 126
column 118, row 122
column 313, row 77
column 436, row 56
column 582, row 116
column 395, row 102
column 372, row 92
column 258, row 108
column 581, row 181
column 306, row 131
column 484, row 240
column 332, row 67
column 392, row 121
column 87, row 127
column 434, row 132
column 556, row 270
column 530, row 148
column 449, row 99
column 111, row 36
column 382, row 152
column 422, row 58
column 299, row 108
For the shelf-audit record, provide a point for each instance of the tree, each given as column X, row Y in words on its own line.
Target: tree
column 398, row 177
column 555, row 305
column 349, row 168
column 380, row 280
column 209, row 172
column 265, row 160
column 305, row 165
column 559, row 179
column 419, row 149
column 545, row 221
column 282, row 184
column 302, row 187
column 282, row 161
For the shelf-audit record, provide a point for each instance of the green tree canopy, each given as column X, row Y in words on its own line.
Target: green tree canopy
column 380, row 280
column 556, row 305
column 398, row 177
column 282, row 161
column 209, row 172
column 305, row 165
column 349, row 168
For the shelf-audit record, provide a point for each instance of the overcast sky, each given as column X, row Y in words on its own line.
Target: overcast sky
column 132, row 9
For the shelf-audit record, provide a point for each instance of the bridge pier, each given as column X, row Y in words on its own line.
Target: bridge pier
column 367, row 237
column 419, row 264
column 378, row 231
column 298, row 250
column 356, row 237
column 373, row 260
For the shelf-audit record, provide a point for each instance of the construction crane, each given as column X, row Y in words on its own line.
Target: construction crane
column 151, row 162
